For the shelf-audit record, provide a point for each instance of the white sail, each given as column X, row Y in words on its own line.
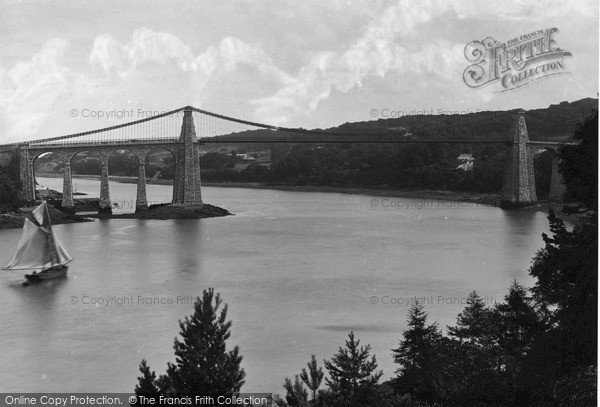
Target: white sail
column 38, row 247
column 39, row 214
column 31, row 249
column 63, row 256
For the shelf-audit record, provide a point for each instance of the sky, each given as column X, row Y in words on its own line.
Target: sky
column 302, row 63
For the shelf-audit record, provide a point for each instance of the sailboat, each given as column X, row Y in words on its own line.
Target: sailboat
column 39, row 250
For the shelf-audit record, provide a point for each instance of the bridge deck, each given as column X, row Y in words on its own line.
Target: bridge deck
column 251, row 140
column 291, row 139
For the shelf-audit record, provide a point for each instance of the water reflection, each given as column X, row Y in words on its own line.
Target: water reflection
column 40, row 298
column 188, row 245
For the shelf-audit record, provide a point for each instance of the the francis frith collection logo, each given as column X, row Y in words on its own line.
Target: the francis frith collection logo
column 514, row 63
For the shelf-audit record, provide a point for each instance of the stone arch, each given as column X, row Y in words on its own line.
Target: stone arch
column 132, row 151
column 92, row 153
column 139, row 153
column 68, row 202
column 169, row 153
column 34, row 155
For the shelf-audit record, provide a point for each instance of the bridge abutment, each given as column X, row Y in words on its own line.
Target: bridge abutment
column 518, row 188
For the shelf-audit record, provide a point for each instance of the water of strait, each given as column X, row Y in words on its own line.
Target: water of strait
column 298, row 270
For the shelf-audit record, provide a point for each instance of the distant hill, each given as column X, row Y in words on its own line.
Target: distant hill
column 552, row 122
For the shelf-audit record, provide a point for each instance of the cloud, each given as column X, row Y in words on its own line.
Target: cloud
column 46, row 86
column 282, row 74
column 149, row 47
column 523, row 10
column 146, row 46
column 30, row 89
column 375, row 54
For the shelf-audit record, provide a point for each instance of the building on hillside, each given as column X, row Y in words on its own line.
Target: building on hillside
column 402, row 130
column 466, row 162
column 246, row 157
column 466, row 166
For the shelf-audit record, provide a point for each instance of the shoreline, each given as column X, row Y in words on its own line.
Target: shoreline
column 492, row 199
column 123, row 179
column 480, row 198
column 15, row 220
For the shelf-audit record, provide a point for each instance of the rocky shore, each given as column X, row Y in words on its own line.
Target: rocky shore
column 13, row 220
column 170, row 211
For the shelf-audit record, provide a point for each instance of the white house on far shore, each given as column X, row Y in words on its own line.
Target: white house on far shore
column 466, row 162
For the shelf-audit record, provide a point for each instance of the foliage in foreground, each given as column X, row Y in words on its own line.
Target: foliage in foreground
column 9, row 185
column 203, row 364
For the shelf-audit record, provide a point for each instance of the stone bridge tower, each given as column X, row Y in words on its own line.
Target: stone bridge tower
column 186, row 185
column 518, row 187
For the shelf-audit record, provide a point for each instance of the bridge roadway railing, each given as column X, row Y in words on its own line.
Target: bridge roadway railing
column 335, row 138
column 96, row 144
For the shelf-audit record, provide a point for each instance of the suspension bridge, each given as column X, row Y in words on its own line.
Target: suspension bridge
column 176, row 132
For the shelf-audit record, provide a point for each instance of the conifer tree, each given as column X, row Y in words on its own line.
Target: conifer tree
column 313, row 378
column 519, row 322
column 353, row 374
column 146, row 382
column 567, row 283
column 475, row 323
column 203, row 364
column 477, row 355
column 296, row 396
column 416, row 355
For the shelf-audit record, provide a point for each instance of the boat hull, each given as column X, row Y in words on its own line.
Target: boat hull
column 50, row 273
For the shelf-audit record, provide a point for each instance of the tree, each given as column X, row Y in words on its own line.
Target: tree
column 146, row 382
column 579, row 164
column 563, row 359
column 296, row 396
column 476, row 355
column 520, row 326
column 519, row 323
column 313, row 378
column 417, row 355
column 10, row 185
column 352, row 372
column 566, row 270
column 203, row 364
column 474, row 322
